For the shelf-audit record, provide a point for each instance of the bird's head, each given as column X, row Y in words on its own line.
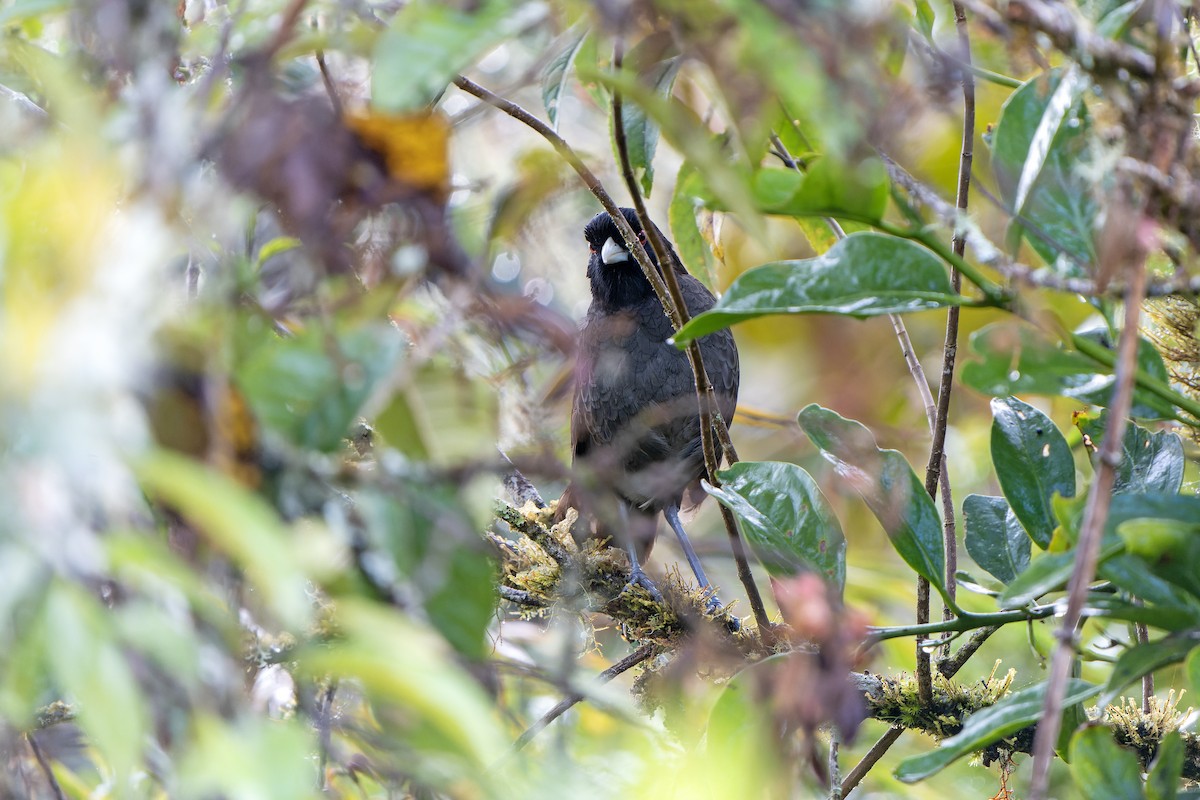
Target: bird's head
column 616, row 278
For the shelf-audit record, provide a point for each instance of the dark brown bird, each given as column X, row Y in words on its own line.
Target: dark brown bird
column 635, row 422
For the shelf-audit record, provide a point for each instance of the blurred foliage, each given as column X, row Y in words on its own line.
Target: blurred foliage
column 280, row 306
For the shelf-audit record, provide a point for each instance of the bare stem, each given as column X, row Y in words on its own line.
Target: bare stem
column 624, row 665
column 44, row 765
column 1088, row 549
column 705, row 396
column 872, row 757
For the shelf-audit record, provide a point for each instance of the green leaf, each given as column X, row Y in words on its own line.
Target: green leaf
column 887, row 483
column 311, row 387
column 252, row 754
column 1162, row 782
column 1141, row 659
column 465, row 602
column 1039, row 146
column 686, row 201
column 431, row 540
column 1016, row 358
column 1193, row 670
column 994, row 537
column 1163, row 536
column 427, row 44
column 1046, row 574
column 641, row 131
column 88, row 664
column 987, row 725
column 446, row 714
column 785, row 517
column 1033, row 463
column 738, row 733
column 1150, row 462
column 827, row 188
column 1102, row 768
column 865, row 274
column 1167, row 618
column 556, row 76
column 237, row 522
column 925, row 17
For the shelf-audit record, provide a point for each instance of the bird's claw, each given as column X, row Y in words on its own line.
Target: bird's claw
column 638, row 577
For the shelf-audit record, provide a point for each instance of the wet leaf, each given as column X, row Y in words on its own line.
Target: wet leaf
column 786, row 519
column 889, row 486
column 1033, row 463
column 865, row 274
column 994, row 537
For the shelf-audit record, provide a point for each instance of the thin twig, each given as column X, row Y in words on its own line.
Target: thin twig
column 1088, row 549
column 869, row 760
column 935, row 470
column 624, row 665
column 44, row 764
column 1142, row 633
column 835, row 769
column 948, row 667
column 705, row 396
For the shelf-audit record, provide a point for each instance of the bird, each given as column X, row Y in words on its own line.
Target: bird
column 635, row 423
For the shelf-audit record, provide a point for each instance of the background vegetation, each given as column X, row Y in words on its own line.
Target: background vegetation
column 287, row 289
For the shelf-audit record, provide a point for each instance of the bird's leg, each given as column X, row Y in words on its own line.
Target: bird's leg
column 637, row 576
column 671, row 512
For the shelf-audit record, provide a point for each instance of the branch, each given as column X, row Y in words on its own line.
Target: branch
column 895, row 700
column 624, row 665
column 705, row 396
column 1088, row 548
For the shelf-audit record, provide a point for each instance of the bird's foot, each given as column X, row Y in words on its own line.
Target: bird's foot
column 713, row 606
column 638, row 577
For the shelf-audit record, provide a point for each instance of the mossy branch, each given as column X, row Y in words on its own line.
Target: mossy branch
column 895, row 700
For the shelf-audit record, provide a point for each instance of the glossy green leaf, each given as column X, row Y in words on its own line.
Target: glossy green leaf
column 786, row 519
column 1162, row 781
column 1046, row 574
column 88, row 664
column 237, row 522
column 557, row 75
column 1016, row 358
column 1039, row 145
column 427, row 44
column 641, row 131
column 889, row 486
column 994, row 537
column 865, row 274
column 1150, row 462
column 985, row 726
column 1167, row 618
column 826, row 188
column 311, row 387
column 1163, row 535
column 1033, row 463
column 1102, row 768
column 1140, row 659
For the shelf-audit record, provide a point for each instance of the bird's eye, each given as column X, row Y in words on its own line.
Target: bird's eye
column 642, row 236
